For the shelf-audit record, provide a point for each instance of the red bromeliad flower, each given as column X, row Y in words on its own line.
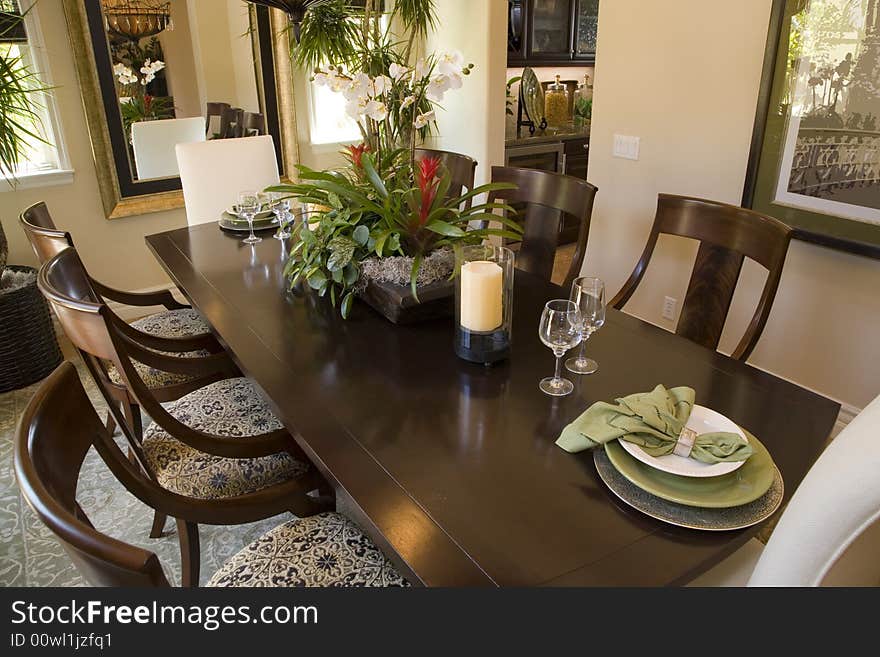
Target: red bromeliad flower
column 428, row 179
column 356, row 153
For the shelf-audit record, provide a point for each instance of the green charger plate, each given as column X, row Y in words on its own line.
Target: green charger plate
column 743, row 485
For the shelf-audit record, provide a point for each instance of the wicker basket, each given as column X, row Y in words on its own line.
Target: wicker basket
column 28, row 347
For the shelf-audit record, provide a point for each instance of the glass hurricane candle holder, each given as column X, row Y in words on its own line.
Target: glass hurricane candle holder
column 484, row 304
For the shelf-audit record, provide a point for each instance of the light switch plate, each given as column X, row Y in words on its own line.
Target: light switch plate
column 626, row 147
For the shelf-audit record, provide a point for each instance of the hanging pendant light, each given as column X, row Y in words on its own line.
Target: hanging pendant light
column 137, row 19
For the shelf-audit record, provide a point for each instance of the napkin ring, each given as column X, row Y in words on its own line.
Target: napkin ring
column 685, row 443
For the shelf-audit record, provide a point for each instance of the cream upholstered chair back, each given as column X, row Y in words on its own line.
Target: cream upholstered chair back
column 154, row 144
column 213, row 173
column 829, row 534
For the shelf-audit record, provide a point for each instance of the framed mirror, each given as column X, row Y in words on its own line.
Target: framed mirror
column 155, row 73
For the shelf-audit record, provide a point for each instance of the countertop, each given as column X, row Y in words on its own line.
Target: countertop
column 523, row 137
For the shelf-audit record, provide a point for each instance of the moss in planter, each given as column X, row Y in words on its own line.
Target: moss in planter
column 15, row 280
column 435, row 267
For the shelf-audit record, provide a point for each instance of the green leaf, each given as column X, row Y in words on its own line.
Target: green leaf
column 373, row 176
column 361, row 235
column 341, row 252
column 444, row 228
column 347, row 300
column 414, row 275
column 317, row 280
column 350, row 274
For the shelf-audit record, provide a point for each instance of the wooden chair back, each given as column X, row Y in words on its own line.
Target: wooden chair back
column 58, row 427
column 46, row 240
column 214, row 109
column 546, row 199
column 727, row 234
column 253, row 124
column 461, row 170
column 101, row 336
column 231, row 120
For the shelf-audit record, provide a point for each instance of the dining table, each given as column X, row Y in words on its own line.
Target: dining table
column 451, row 467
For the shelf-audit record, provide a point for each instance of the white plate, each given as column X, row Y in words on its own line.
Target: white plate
column 702, row 420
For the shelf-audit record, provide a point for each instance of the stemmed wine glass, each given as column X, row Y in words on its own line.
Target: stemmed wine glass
column 281, row 208
column 560, row 329
column 588, row 294
column 248, row 206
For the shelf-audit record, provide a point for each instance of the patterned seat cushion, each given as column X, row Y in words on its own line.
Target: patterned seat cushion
column 180, row 323
column 232, row 408
column 327, row 549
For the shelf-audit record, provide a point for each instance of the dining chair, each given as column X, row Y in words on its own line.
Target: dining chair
column 231, row 119
column 57, row 429
column 253, row 124
column 727, row 234
column 213, row 112
column 213, row 173
column 829, row 534
column 153, row 144
column 545, row 198
column 211, row 446
column 184, row 328
column 461, row 170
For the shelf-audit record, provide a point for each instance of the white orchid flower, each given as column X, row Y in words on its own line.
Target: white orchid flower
column 409, row 100
column 376, row 110
column 355, row 109
column 424, row 119
column 359, row 87
column 423, row 68
column 321, row 79
column 397, row 71
column 450, row 63
column 381, row 85
column 437, row 87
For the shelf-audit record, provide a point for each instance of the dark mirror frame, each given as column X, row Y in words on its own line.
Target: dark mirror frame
column 829, row 231
column 121, row 195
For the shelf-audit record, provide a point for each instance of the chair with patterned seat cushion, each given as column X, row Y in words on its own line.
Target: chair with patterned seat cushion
column 326, row 549
column 58, row 428
column 180, row 323
column 212, row 447
column 237, row 407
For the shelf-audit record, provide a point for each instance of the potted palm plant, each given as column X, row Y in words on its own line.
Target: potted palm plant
column 28, row 347
column 384, row 227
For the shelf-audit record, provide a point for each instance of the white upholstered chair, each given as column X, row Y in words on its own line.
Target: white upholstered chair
column 154, row 143
column 829, row 534
column 213, row 173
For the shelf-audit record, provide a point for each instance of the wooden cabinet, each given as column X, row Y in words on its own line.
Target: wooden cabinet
column 552, row 32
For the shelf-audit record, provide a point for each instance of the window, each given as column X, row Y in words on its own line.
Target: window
column 328, row 122
column 45, row 162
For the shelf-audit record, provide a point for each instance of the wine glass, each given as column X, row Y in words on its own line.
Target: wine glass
column 281, row 208
column 248, row 206
column 560, row 329
column 588, row 294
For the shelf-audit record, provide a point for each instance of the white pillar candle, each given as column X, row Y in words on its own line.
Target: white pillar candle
column 481, row 296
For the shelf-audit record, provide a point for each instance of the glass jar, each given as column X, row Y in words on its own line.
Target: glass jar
column 556, row 103
column 484, row 304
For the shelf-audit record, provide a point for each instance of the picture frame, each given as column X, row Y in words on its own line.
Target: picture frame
column 814, row 161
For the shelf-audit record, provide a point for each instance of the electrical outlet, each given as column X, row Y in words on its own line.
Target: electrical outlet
column 626, row 147
column 669, row 306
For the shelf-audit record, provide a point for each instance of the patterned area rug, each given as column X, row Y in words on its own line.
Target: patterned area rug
column 29, row 553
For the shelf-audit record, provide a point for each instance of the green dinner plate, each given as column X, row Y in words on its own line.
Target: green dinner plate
column 741, row 486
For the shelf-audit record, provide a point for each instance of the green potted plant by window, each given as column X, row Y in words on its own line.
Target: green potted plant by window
column 28, row 347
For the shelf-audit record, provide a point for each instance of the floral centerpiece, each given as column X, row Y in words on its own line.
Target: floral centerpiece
column 387, row 214
column 136, row 104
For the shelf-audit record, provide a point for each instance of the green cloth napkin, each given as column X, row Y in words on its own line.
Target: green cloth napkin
column 652, row 420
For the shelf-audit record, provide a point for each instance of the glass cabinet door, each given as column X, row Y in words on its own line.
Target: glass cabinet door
column 586, row 28
column 550, row 28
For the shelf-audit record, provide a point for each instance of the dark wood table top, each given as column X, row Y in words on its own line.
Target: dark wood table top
column 451, row 467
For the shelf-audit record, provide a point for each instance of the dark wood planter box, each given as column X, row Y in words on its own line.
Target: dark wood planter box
column 398, row 305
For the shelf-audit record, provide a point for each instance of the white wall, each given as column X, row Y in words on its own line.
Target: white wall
column 472, row 118
column 684, row 76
